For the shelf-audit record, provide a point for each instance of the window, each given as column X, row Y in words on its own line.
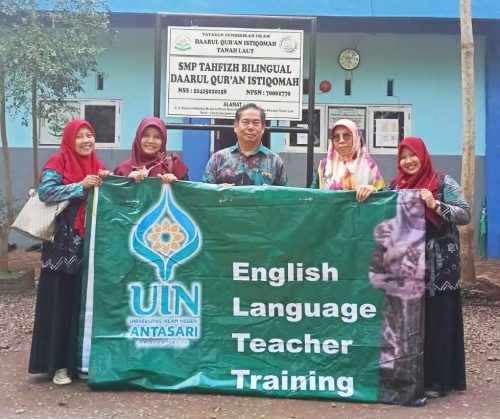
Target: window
column 297, row 142
column 382, row 127
column 224, row 138
column 388, row 125
column 356, row 114
column 103, row 115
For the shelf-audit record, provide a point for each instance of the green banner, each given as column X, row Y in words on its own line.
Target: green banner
column 252, row 290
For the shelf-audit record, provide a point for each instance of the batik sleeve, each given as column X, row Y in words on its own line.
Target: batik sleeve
column 210, row 175
column 454, row 207
column 281, row 178
column 51, row 188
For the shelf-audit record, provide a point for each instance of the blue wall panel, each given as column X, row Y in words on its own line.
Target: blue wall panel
column 426, row 74
column 493, row 148
column 196, row 149
column 425, row 70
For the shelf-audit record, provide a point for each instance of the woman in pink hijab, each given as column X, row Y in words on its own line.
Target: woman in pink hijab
column 149, row 155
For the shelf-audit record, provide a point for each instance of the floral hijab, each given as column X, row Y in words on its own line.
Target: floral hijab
column 347, row 173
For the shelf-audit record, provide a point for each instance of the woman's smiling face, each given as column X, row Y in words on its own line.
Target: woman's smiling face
column 409, row 162
column 84, row 142
column 151, row 140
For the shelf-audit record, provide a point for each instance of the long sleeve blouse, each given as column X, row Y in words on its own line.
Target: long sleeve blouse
column 52, row 189
column 454, row 208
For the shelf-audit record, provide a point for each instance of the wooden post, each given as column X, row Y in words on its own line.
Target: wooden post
column 469, row 131
column 7, row 200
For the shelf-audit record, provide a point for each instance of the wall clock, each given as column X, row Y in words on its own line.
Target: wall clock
column 349, row 59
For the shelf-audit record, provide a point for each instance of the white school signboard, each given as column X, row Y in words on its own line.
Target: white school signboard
column 211, row 72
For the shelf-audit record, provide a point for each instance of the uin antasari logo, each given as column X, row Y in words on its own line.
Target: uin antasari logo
column 165, row 236
column 165, row 313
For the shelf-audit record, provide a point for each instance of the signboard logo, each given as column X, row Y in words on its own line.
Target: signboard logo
column 288, row 44
column 182, row 43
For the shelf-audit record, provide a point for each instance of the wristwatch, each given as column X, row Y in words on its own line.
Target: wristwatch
column 438, row 204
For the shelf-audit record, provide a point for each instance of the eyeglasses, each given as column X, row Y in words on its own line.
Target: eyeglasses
column 345, row 135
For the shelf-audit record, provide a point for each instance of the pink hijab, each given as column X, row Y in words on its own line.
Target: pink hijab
column 159, row 164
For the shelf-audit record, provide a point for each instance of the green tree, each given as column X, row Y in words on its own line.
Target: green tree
column 47, row 49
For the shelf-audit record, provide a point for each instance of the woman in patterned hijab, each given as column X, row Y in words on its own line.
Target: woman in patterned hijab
column 348, row 166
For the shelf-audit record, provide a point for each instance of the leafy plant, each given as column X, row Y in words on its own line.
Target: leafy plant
column 47, row 49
